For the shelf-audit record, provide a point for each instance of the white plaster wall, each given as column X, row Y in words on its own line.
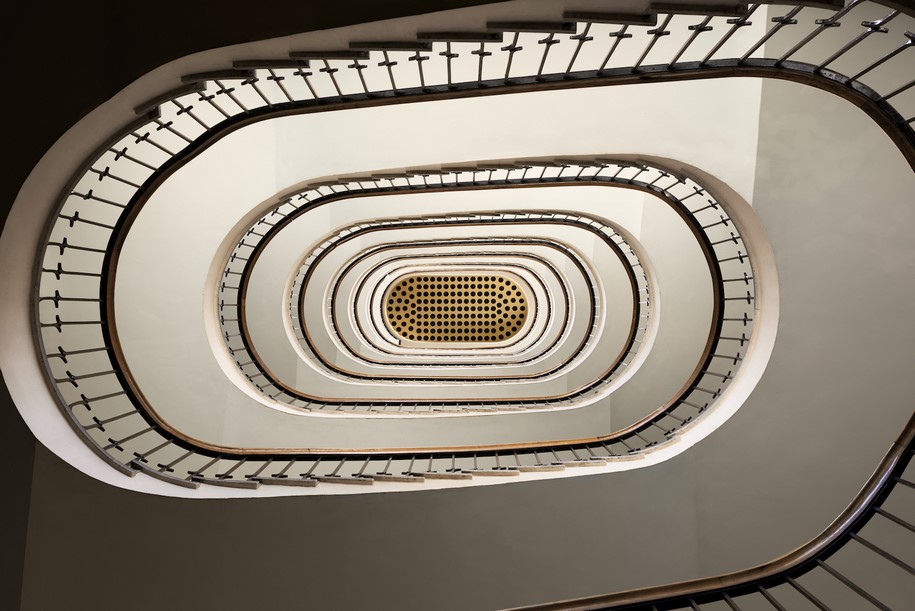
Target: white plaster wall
column 161, row 316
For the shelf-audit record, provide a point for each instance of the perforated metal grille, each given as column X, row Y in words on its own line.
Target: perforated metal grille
column 461, row 309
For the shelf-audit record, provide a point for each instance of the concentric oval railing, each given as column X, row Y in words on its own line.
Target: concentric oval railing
column 518, row 346
column 73, row 314
column 259, row 376
column 296, row 295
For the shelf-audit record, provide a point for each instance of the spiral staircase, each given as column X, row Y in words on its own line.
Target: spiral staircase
column 499, row 253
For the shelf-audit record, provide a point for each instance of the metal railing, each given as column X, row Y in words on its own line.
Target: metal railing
column 73, row 314
column 384, row 345
column 239, row 339
column 296, row 296
column 731, row 327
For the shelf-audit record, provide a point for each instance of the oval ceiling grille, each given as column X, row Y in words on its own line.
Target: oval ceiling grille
column 456, row 309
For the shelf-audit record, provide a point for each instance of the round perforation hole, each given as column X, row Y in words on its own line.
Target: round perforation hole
column 456, row 308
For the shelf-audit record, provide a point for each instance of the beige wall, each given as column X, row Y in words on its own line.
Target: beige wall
column 836, row 393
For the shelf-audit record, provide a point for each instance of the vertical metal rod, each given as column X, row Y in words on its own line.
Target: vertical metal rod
column 311, row 469
column 228, row 92
column 824, row 24
column 282, row 472
column 123, row 153
column 697, row 29
column 770, row 598
column 330, row 72
column 448, row 55
column 201, row 470
column 209, row 100
column 655, row 35
column 253, row 83
column 610, row 452
column 779, row 22
column 148, row 453
column 730, row 601
column 359, row 68
column 145, row 138
column 279, row 83
column 229, row 473
column 168, row 467
column 512, row 48
column 548, row 42
column 100, row 424
column 881, row 552
column 892, row 517
column 909, row 43
column 582, row 39
column 260, row 469
column 806, row 594
column 103, row 174
column 63, row 354
column 182, row 109
column 873, row 27
column 419, row 58
column 387, row 466
column 853, row 586
column 305, row 75
column 115, row 443
column 389, row 65
column 736, row 24
column 337, row 468
column 905, row 87
column 619, row 35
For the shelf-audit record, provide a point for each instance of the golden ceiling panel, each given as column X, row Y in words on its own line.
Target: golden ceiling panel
column 463, row 309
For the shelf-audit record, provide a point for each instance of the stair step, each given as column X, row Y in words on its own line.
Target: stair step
column 447, row 475
column 390, row 477
column 495, row 472
column 339, row 479
column 537, row 468
column 585, row 463
column 288, row 481
column 248, row 484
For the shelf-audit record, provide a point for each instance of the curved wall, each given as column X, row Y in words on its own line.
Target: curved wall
column 732, row 501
